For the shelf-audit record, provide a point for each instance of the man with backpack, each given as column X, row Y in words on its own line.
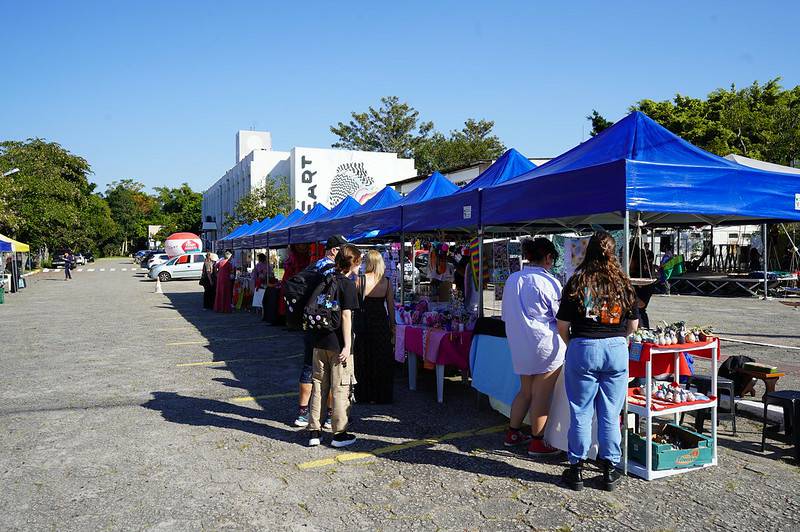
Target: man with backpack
column 298, row 290
column 329, row 317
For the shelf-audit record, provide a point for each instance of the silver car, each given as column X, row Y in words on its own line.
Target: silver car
column 186, row 266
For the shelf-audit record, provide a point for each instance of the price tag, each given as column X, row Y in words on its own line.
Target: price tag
column 468, row 211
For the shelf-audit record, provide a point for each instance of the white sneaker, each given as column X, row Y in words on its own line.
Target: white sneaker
column 314, row 440
column 343, row 439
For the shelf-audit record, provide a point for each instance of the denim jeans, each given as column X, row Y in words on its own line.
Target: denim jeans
column 596, row 378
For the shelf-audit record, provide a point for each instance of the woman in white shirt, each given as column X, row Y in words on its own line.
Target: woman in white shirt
column 530, row 304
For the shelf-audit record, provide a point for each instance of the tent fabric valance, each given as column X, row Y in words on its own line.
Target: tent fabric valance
column 16, row 246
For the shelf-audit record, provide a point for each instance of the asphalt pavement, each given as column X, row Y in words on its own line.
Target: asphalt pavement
column 124, row 409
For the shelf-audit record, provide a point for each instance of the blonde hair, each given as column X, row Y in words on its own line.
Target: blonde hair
column 375, row 264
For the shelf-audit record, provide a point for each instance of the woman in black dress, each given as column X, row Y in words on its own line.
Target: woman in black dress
column 375, row 330
column 207, row 281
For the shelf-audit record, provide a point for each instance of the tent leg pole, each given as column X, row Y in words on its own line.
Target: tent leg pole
column 766, row 262
column 626, row 259
column 402, row 258
column 480, row 272
column 627, row 265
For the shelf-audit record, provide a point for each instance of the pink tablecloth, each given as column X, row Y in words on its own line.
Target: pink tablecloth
column 434, row 345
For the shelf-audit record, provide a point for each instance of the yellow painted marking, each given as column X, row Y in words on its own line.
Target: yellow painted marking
column 201, row 342
column 249, row 398
column 220, row 362
column 349, row 457
column 193, row 327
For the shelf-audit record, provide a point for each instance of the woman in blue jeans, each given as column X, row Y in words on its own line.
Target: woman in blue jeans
column 598, row 311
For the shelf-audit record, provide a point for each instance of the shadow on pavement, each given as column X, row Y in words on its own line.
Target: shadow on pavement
column 264, row 362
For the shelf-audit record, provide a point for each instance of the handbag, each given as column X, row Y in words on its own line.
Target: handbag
column 258, row 297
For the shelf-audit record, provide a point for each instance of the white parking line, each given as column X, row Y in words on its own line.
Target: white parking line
column 90, row 270
column 45, row 270
column 79, row 269
column 102, row 269
column 124, row 269
column 112, row 270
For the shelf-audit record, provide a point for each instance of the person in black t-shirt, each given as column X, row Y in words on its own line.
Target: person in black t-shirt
column 598, row 310
column 333, row 363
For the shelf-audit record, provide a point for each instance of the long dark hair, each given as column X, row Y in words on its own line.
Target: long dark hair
column 601, row 275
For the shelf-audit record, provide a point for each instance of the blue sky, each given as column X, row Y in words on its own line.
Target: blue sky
column 155, row 91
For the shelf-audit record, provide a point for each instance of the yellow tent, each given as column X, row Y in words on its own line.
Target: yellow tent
column 16, row 247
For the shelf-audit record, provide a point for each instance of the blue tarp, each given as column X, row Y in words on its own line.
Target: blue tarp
column 5, row 246
column 326, row 225
column 639, row 166
column 260, row 237
column 281, row 236
column 389, row 220
column 461, row 210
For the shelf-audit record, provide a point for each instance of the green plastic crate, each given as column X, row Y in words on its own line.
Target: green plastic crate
column 698, row 449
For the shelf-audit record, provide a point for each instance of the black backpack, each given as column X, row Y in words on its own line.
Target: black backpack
column 297, row 292
column 323, row 311
column 728, row 369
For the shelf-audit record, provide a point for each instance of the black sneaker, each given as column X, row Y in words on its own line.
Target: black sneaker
column 611, row 476
column 573, row 476
column 314, row 440
column 343, row 439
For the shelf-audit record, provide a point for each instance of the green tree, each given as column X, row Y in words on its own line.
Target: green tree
column 132, row 210
column 265, row 201
column 101, row 229
column 474, row 142
column 761, row 121
column 48, row 194
column 394, row 127
column 181, row 209
column 599, row 123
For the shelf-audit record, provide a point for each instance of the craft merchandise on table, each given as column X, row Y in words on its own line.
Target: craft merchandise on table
column 440, row 334
column 672, row 448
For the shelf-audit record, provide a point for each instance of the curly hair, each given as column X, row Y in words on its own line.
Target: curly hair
column 601, row 275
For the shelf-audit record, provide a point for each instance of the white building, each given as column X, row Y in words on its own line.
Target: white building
column 314, row 175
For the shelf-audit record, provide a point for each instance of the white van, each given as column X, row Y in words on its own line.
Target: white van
column 187, row 266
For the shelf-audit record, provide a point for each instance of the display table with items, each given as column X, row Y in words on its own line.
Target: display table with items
column 439, row 337
column 672, row 449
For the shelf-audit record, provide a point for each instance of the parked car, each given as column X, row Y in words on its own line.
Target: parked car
column 89, row 256
column 147, row 255
column 58, row 259
column 156, row 260
column 79, row 259
column 186, row 266
column 137, row 257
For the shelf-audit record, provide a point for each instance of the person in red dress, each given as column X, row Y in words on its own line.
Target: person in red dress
column 224, row 273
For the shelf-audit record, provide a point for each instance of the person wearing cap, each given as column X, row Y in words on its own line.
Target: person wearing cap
column 325, row 265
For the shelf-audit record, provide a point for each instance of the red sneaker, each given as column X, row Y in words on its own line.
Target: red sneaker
column 516, row 437
column 538, row 447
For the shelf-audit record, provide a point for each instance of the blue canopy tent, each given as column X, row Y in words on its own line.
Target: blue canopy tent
column 637, row 166
column 227, row 240
column 261, row 236
column 390, row 220
column 280, row 237
column 245, row 240
column 325, row 225
column 290, row 220
column 461, row 210
column 383, row 199
column 5, row 247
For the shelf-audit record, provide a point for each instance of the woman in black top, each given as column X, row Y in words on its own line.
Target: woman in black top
column 598, row 310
